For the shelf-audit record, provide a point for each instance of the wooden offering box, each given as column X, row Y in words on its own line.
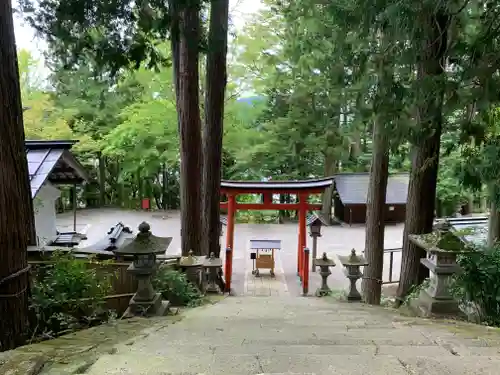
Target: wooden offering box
column 262, row 253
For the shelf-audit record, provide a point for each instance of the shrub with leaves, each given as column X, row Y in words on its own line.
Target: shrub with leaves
column 175, row 288
column 478, row 285
column 257, row 217
column 67, row 295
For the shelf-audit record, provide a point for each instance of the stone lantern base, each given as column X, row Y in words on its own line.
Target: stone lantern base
column 435, row 299
column 426, row 306
column 154, row 307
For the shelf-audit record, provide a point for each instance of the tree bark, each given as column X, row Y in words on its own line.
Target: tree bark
column 16, row 206
column 216, row 78
column 188, row 107
column 175, row 44
column 425, row 162
column 375, row 214
column 379, row 174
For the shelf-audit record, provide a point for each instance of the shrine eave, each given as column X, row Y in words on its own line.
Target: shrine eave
column 316, row 185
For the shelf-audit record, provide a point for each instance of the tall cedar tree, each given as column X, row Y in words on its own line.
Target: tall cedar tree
column 379, row 174
column 216, row 78
column 375, row 214
column 434, row 25
column 16, row 208
column 188, row 107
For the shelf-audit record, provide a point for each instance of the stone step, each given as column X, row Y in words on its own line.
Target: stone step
column 174, row 351
column 237, row 335
column 213, row 364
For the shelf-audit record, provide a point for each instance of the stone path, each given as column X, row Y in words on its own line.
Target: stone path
column 265, row 285
column 278, row 335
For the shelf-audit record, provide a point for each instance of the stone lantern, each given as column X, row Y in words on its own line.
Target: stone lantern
column 324, row 265
column 213, row 266
column 353, row 264
column 144, row 248
column 443, row 246
column 315, row 222
column 193, row 267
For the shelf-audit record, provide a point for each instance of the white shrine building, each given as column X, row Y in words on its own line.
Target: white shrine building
column 51, row 164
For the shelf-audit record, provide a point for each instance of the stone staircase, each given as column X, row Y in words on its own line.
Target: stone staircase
column 295, row 335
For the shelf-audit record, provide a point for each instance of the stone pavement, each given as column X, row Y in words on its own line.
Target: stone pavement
column 304, row 335
column 336, row 240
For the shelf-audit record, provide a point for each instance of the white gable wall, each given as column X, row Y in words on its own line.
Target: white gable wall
column 44, row 206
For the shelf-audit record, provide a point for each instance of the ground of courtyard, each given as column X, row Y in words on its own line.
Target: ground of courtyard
column 335, row 240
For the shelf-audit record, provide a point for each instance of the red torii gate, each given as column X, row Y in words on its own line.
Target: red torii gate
column 302, row 189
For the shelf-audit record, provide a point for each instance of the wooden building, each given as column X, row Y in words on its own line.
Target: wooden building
column 351, row 192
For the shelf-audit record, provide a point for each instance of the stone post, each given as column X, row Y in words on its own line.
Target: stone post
column 193, row 267
column 324, row 265
column 213, row 266
column 315, row 251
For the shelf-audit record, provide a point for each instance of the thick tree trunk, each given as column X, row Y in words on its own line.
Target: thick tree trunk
column 174, row 11
column 425, row 162
column 375, row 214
column 216, row 78
column 102, row 180
column 188, row 107
column 16, row 207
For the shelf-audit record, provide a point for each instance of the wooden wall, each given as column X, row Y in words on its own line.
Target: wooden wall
column 356, row 213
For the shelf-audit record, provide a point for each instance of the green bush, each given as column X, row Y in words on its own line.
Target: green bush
column 414, row 291
column 67, row 295
column 478, row 285
column 175, row 288
column 257, row 217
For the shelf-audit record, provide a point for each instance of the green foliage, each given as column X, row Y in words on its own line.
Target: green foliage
column 68, row 295
column 414, row 291
column 114, row 34
column 321, row 75
column 451, row 194
column 478, row 285
column 257, row 217
column 175, row 288
column 146, row 137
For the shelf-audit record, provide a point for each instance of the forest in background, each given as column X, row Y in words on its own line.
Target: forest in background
column 127, row 125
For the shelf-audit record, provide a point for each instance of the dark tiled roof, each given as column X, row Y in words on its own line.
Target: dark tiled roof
column 278, row 185
column 53, row 161
column 353, row 188
column 474, row 229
